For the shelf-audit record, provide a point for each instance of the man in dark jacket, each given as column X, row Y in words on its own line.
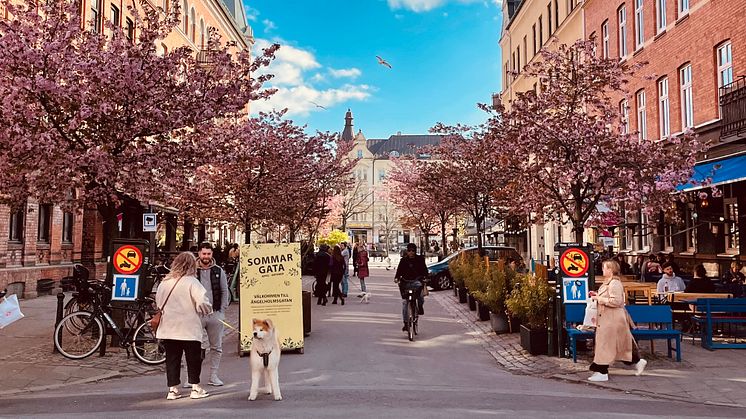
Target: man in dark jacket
column 411, row 273
column 321, row 271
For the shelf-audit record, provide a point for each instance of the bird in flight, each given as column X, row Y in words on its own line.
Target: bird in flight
column 317, row 105
column 383, row 62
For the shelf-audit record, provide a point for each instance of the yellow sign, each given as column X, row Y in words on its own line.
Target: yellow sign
column 271, row 288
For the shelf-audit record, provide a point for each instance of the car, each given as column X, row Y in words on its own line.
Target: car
column 440, row 276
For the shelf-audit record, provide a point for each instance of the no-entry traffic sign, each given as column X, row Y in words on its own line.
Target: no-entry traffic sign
column 127, row 259
column 574, row 262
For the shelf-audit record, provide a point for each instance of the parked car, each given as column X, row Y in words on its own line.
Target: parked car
column 440, row 276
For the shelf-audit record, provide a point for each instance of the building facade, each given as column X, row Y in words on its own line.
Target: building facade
column 695, row 78
column 41, row 240
column 528, row 26
column 376, row 220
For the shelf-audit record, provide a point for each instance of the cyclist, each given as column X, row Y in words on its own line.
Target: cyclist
column 411, row 273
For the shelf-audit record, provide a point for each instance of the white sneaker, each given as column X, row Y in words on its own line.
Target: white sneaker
column 597, row 376
column 640, row 367
column 198, row 393
column 173, row 393
column 215, row 381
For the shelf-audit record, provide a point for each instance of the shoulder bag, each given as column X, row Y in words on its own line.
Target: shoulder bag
column 155, row 321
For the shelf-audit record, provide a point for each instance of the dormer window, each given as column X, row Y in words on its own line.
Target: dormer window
column 360, row 154
column 394, row 154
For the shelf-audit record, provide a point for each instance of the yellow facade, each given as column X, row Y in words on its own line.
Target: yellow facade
column 532, row 25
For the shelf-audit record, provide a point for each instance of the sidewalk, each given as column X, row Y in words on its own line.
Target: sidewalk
column 705, row 377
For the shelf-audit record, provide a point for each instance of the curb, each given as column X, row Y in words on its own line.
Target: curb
column 108, row 375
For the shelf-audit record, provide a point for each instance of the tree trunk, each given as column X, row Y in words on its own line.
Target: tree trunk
column 443, row 238
column 578, row 227
column 479, row 234
column 427, row 244
column 111, row 226
column 247, row 232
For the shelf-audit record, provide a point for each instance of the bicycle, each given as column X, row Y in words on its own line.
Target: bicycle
column 79, row 334
column 410, row 291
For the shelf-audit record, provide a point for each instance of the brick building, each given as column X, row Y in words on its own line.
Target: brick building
column 695, row 78
column 42, row 241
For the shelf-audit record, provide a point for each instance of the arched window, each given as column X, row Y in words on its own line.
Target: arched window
column 193, row 25
column 185, row 13
column 202, row 38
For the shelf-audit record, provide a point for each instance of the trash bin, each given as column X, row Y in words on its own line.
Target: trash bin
column 306, row 313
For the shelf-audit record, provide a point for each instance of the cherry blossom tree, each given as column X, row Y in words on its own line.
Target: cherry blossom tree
column 567, row 148
column 357, row 200
column 103, row 115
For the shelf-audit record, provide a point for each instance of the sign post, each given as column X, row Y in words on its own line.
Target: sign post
column 576, row 279
column 125, row 268
column 271, row 288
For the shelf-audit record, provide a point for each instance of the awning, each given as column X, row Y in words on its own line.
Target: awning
column 728, row 170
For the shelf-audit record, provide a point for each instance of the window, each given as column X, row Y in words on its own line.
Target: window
column 541, row 32
column 660, row 15
column 67, row 227
column 96, row 15
column 115, row 16
column 664, row 118
column 622, row 16
column 518, row 58
column 186, row 17
column 45, row 223
column 683, row 7
column 624, row 111
column 525, row 50
column 360, row 154
column 513, row 62
column 506, row 77
column 691, row 228
column 193, row 26
column 639, row 24
column 642, row 125
column 605, row 38
column 687, row 101
column 130, row 28
column 534, row 38
column 202, row 38
column 595, row 46
column 549, row 18
column 668, row 237
column 725, row 64
column 644, row 232
column 571, row 5
column 381, row 174
column 15, row 232
column 730, row 211
column 556, row 15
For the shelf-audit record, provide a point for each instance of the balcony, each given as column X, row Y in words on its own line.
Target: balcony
column 205, row 57
column 733, row 108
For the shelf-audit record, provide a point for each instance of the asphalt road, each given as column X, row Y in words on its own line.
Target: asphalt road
column 358, row 363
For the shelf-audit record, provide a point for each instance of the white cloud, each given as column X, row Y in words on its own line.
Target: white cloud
column 252, row 14
column 269, row 25
column 427, row 5
column 296, row 90
column 352, row 73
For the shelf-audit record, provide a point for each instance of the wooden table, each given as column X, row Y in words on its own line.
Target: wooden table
column 648, row 289
column 693, row 296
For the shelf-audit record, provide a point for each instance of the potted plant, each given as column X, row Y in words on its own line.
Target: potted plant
column 475, row 280
column 456, row 267
column 530, row 302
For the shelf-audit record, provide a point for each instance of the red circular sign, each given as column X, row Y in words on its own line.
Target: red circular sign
column 574, row 262
column 127, row 259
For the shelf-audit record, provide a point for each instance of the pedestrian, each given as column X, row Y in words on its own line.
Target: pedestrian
column 213, row 278
column 362, row 267
column 182, row 300
column 624, row 267
column 734, row 279
column 651, row 267
column 346, row 275
column 234, row 254
column 700, row 283
column 355, row 252
column 614, row 341
column 337, row 271
column 321, row 271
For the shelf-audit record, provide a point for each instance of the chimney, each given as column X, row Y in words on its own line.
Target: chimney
column 398, row 132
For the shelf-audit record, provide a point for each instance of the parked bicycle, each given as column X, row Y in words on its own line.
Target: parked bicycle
column 81, row 333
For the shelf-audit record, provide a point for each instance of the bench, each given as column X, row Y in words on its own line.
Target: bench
column 719, row 310
column 657, row 314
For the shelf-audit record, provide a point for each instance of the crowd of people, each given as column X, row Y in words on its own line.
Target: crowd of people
column 331, row 267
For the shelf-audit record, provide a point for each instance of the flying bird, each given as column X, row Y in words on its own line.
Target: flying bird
column 317, row 105
column 383, row 62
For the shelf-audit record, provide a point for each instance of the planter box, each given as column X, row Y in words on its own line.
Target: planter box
column 534, row 341
column 472, row 302
column 462, row 295
column 499, row 322
column 483, row 313
column 515, row 324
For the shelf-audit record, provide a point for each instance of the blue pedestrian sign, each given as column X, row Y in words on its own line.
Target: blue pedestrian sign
column 125, row 287
column 575, row 290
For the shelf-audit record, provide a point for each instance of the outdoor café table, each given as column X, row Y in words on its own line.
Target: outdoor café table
column 647, row 289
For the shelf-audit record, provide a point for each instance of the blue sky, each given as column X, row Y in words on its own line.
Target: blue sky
column 445, row 57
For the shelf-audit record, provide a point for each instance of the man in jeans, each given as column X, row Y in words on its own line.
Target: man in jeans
column 411, row 268
column 213, row 278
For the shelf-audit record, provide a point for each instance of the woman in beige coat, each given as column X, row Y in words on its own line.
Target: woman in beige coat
column 614, row 341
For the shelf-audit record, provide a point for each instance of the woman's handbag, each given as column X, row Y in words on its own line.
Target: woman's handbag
column 155, row 321
column 591, row 315
column 10, row 311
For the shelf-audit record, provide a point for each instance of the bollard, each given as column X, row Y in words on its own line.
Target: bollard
column 60, row 304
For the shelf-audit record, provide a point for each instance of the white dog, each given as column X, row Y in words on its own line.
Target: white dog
column 265, row 358
column 364, row 297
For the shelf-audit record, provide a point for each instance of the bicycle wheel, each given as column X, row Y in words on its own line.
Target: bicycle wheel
column 146, row 347
column 410, row 321
column 78, row 335
column 415, row 320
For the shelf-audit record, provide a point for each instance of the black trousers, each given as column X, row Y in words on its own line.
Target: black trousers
column 604, row 369
column 192, row 349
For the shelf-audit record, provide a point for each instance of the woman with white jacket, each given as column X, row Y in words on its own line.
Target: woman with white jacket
column 182, row 300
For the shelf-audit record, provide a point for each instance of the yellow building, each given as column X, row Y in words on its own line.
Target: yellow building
column 529, row 26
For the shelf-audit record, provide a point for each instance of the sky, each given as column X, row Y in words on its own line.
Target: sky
column 444, row 54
